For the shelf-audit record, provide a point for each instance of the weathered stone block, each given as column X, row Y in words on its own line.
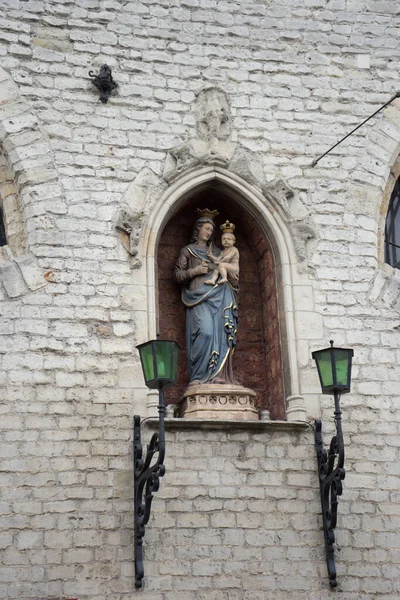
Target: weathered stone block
column 31, row 272
column 12, row 279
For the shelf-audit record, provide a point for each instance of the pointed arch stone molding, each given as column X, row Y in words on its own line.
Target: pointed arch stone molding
column 271, row 222
column 28, row 181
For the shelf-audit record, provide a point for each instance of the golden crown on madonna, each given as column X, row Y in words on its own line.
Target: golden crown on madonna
column 206, row 213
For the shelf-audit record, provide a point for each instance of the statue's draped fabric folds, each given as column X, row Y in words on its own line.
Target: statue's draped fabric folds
column 211, row 311
column 211, row 323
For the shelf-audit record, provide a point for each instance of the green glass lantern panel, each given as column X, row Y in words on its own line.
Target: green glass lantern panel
column 164, row 355
column 324, row 362
column 146, row 356
column 342, row 364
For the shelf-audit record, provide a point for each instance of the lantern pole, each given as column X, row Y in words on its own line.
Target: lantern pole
column 146, row 479
column 146, row 473
column 148, row 470
column 330, row 483
column 331, row 471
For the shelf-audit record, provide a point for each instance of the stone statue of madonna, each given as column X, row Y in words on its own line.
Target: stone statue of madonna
column 211, row 303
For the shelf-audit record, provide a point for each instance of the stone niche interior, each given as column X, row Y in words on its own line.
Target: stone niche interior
column 257, row 359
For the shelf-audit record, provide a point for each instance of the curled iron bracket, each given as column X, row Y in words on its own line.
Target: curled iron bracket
column 146, row 478
column 104, row 82
column 331, row 474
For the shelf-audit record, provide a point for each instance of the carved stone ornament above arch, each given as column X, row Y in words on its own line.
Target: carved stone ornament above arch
column 212, row 146
column 27, row 179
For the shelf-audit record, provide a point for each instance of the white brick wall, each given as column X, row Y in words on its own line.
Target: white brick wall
column 238, row 514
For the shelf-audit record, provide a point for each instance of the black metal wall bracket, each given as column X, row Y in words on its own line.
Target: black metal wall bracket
column 331, row 474
column 146, row 478
column 104, row 82
column 392, row 99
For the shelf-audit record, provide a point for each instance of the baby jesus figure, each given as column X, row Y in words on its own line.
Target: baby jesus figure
column 228, row 260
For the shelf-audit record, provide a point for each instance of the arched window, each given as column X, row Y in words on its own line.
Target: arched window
column 392, row 228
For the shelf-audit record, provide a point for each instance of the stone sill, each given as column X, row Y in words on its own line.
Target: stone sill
column 229, row 425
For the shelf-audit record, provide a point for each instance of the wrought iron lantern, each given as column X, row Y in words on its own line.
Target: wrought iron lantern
column 159, row 360
column 334, row 370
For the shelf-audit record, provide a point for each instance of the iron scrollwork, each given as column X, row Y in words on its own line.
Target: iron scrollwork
column 104, row 82
column 331, row 474
column 146, row 477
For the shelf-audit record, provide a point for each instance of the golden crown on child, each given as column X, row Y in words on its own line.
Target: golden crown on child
column 227, row 227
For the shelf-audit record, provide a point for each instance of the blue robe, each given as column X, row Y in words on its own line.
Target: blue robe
column 211, row 319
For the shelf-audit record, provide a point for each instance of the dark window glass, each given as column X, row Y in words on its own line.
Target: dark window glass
column 3, row 239
column 392, row 229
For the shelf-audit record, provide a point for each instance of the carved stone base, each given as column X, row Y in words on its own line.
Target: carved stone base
column 214, row 401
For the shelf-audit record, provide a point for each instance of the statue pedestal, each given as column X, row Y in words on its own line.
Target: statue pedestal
column 215, row 401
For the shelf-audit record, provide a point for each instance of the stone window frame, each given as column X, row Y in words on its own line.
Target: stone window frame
column 382, row 151
column 385, row 286
column 12, row 218
column 288, row 274
column 28, row 168
column 392, row 185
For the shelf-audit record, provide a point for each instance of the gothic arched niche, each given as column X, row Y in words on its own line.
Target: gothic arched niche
column 257, row 359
